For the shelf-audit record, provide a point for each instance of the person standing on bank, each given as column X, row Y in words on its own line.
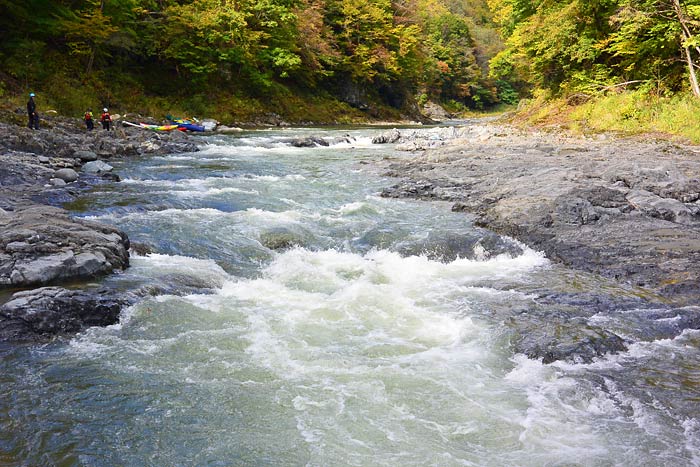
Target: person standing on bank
column 89, row 123
column 106, row 119
column 31, row 113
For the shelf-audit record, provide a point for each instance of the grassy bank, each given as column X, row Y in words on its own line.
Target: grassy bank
column 628, row 113
column 72, row 99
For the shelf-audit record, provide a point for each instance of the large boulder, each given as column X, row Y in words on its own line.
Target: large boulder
column 41, row 245
column 85, row 156
column 67, row 175
column 50, row 311
column 389, row 137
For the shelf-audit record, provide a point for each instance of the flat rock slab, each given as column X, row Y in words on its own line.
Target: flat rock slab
column 43, row 245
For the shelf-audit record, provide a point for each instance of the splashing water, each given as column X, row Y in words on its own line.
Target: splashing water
column 304, row 320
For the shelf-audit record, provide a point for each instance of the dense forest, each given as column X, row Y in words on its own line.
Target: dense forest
column 593, row 46
column 359, row 52
column 208, row 55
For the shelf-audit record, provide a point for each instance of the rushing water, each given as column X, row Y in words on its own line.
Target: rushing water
column 297, row 318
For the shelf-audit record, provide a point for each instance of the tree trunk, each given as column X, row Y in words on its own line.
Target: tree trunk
column 693, row 77
column 686, row 36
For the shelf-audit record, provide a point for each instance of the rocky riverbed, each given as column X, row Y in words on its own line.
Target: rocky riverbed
column 41, row 244
column 625, row 208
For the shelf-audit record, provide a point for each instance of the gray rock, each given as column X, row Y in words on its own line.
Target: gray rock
column 576, row 211
column 627, row 210
column 67, row 175
column 389, row 137
column 50, row 311
column 96, row 167
column 42, row 245
column 663, row 208
column 57, row 182
column 435, row 111
column 309, row 142
column 85, row 156
column 574, row 340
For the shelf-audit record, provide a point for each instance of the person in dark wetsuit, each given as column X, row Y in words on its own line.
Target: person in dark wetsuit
column 31, row 113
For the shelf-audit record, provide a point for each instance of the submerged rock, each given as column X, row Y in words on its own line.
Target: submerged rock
column 573, row 340
column 282, row 238
column 309, row 142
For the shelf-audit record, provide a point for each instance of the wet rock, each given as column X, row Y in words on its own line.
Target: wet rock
column 67, row 175
column 347, row 139
column 448, row 247
column 51, row 311
column 141, row 249
column 309, row 142
column 282, row 238
column 574, row 341
column 389, row 137
column 650, row 324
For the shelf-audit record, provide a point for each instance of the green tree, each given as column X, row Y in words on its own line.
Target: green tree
column 653, row 35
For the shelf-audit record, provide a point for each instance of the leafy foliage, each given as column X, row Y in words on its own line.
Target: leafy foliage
column 599, row 45
column 382, row 49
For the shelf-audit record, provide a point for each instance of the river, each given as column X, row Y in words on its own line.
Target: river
column 295, row 317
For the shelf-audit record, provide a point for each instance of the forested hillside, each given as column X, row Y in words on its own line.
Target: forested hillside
column 215, row 55
column 594, row 46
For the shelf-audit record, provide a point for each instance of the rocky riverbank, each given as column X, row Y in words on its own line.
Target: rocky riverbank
column 623, row 208
column 626, row 209
column 41, row 244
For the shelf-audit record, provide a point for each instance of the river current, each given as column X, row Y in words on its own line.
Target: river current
column 295, row 317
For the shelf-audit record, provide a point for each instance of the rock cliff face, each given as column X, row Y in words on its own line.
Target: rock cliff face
column 42, row 244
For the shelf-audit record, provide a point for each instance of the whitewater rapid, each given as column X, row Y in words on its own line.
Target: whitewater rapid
column 295, row 317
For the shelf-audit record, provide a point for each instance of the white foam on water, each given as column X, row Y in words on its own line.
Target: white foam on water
column 260, row 148
column 604, row 417
column 557, row 420
column 358, row 207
